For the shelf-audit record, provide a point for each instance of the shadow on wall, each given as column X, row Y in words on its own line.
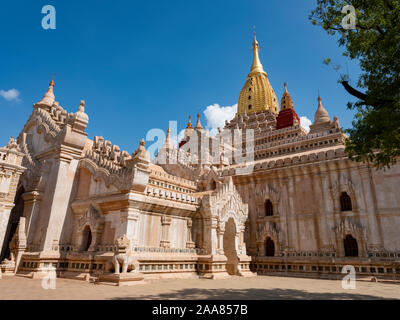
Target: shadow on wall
column 249, row 294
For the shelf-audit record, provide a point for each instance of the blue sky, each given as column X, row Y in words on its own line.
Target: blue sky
column 139, row 64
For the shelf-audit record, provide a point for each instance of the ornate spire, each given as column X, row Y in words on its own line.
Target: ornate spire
column 286, row 101
column 48, row 98
column 257, row 93
column 167, row 143
column 189, row 125
column 321, row 116
column 198, row 124
column 256, row 66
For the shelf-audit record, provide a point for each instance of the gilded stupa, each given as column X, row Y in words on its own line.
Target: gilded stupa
column 257, row 93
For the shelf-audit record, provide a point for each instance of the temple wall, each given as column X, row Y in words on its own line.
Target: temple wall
column 149, row 230
column 309, row 206
column 178, row 233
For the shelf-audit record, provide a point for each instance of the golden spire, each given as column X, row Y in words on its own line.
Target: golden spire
column 257, row 93
column 256, row 66
column 189, row 125
column 286, row 101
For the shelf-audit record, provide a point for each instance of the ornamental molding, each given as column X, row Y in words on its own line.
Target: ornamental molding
column 224, row 203
column 344, row 184
column 267, row 192
column 349, row 226
column 267, row 229
column 92, row 218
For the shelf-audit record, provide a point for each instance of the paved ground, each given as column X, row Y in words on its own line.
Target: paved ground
column 258, row 288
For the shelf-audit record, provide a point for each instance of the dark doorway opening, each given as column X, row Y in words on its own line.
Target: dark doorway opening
column 269, row 247
column 350, row 246
column 15, row 215
column 86, row 239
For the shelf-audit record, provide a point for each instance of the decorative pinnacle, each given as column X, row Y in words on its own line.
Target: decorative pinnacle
column 198, row 124
column 189, row 125
column 256, row 65
column 82, row 106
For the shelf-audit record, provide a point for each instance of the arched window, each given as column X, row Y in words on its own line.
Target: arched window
column 269, row 247
column 350, row 246
column 269, row 209
column 345, row 202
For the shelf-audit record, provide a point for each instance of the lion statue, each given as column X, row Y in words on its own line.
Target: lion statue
column 122, row 260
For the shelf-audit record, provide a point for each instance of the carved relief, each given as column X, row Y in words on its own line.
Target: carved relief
column 343, row 185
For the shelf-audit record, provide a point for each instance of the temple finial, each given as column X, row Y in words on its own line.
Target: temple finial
column 48, row 98
column 167, row 143
column 256, row 66
column 52, row 80
column 198, row 124
column 189, row 125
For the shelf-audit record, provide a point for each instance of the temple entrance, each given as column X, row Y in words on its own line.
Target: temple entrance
column 86, row 239
column 230, row 247
column 350, row 246
column 15, row 215
column 269, row 247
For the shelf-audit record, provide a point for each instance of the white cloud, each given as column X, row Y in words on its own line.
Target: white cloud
column 216, row 116
column 305, row 123
column 10, row 95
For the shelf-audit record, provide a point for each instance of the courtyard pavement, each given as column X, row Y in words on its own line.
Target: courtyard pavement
column 257, row 288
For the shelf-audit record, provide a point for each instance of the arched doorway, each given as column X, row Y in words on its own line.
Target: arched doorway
column 350, row 246
column 86, row 239
column 269, row 247
column 15, row 215
column 230, row 247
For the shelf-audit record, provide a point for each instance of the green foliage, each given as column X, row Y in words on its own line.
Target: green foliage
column 375, row 136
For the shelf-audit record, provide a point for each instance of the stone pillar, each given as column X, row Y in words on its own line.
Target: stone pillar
column 261, row 248
column 323, row 189
column 129, row 220
column 165, row 223
column 4, row 218
column 220, row 235
column 31, row 208
column 329, row 210
column 189, row 242
column 56, row 207
column 374, row 235
column 242, row 245
column 292, row 235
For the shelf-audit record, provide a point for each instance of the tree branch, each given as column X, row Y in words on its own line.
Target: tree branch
column 353, row 92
